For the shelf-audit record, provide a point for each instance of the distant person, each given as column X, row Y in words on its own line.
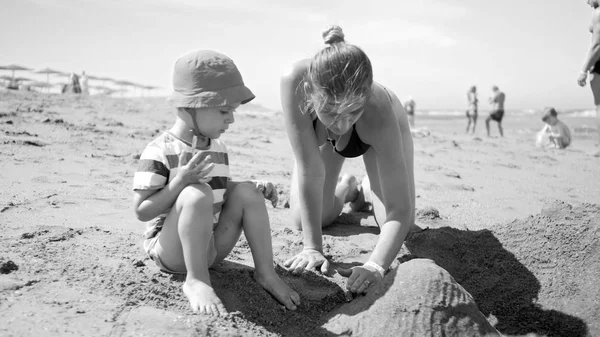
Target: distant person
column 409, row 107
column 84, row 84
column 555, row 131
column 472, row 108
column 183, row 185
column 73, row 84
column 13, row 84
column 497, row 102
column 592, row 63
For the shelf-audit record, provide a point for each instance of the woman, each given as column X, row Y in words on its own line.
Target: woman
column 472, row 110
column 332, row 110
column 592, row 62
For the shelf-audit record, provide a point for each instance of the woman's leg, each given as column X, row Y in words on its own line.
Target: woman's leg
column 468, row 122
column 245, row 209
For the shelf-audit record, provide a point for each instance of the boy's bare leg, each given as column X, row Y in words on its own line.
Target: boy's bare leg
column 184, row 242
column 245, row 208
column 500, row 129
column 487, row 125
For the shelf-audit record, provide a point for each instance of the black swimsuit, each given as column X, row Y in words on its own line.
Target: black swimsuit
column 355, row 147
column 596, row 68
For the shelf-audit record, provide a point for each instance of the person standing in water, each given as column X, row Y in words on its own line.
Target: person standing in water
column 497, row 101
column 472, row 110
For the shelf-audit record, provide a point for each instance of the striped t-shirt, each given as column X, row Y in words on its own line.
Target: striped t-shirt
column 162, row 158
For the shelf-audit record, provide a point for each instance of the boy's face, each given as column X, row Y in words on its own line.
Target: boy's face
column 215, row 121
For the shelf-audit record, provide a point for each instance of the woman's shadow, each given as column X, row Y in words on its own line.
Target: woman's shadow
column 501, row 286
column 352, row 223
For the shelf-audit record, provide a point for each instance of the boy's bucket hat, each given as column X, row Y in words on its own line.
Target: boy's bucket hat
column 207, row 79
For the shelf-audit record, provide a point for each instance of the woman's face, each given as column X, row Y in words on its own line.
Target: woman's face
column 341, row 122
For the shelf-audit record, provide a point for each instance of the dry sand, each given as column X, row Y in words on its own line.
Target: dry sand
column 518, row 229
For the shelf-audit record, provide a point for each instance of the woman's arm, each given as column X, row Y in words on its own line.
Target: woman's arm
column 309, row 165
column 394, row 155
column 393, row 170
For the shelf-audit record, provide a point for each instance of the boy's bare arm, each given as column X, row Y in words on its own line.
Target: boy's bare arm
column 149, row 204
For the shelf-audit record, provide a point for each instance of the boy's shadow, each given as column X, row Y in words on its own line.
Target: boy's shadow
column 499, row 283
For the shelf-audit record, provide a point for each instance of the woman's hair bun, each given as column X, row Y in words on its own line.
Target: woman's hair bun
column 333, row 34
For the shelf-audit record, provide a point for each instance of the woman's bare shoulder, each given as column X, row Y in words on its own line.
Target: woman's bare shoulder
column 381, row 108
column 296, row 70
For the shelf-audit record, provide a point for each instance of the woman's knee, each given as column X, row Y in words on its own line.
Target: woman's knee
column 196, row 195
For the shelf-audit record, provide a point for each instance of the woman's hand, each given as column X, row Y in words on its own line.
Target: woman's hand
column 308, row 259
column 361, row 278
column 582, row 78
column 196, row 170
column 268, row 190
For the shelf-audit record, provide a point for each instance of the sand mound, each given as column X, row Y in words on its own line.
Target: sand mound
column 416, row 299
column 522, row 268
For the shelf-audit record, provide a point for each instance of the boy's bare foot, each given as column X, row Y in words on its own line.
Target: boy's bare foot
column 281, row 291
column 203, row 298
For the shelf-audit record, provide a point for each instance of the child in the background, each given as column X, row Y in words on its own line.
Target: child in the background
column 557, row 132
column 183, row 185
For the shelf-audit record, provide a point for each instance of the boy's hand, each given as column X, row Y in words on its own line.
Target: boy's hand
column 268, row 190
column 307, row 259
column 196, row 170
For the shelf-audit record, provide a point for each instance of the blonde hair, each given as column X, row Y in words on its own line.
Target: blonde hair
column 340, row 75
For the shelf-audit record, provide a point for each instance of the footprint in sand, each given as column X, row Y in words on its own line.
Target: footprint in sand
column 452, row 174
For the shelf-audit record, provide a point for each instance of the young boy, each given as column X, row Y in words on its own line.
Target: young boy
column 183, row 184
column 559, row 133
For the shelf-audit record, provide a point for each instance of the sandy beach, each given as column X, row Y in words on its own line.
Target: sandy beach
column 516, row 226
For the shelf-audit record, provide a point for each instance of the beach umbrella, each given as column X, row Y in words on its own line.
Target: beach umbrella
column 13, row 68
column 102, row 88
column 150, row 87
column 124, row 84
column 48, row 71
column 40, row 84
column 21, row 79
column 104, row 79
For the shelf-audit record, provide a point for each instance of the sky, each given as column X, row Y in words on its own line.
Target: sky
column 431, row 50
